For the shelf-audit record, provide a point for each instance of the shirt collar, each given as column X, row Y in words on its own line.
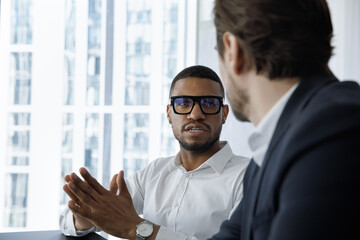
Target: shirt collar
column 260, row 139
column 217, row 162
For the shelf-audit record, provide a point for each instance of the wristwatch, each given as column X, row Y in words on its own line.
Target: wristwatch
column 144, row 230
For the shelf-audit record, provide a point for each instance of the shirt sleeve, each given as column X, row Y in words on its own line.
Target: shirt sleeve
column 67, row 225
column 136, row 189
column 238, row 189
column 166, row 234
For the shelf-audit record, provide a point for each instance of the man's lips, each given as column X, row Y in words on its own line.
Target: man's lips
column 195, row 128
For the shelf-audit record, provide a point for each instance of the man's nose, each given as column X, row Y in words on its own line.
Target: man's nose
column 196, row 113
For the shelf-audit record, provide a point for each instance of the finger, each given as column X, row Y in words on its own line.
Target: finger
column 113, row 186
column 84, row 186
column 80, row 210
column 83, row 197
column 122, row 184
column 70, row 193
column 67, row 178
column 92, row 181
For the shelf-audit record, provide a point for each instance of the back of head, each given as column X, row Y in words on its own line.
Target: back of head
column 197, row 71
column 283, row 38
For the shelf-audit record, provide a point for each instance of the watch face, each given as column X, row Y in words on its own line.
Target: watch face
column 144, row 229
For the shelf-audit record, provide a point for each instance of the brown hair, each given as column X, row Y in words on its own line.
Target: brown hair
column 282, row 38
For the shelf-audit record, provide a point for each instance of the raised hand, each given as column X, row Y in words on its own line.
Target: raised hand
column 80, row 223
column 114, row 214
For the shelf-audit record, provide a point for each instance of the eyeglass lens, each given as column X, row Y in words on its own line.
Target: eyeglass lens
column 209, row 105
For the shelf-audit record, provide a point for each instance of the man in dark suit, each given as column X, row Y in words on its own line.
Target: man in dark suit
column 304, row 180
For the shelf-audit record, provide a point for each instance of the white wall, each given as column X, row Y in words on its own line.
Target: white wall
column 345, row 62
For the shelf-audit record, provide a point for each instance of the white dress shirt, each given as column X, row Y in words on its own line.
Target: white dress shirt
column 259, row 139
column 185, row 204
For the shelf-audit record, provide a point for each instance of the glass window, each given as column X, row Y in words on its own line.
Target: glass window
column 69, row 77
column 92, row 143
column 66, row 168
column 67, row 151
column 89, row 96
column 94, row 50
column 70, row 25
column 69, row 58
column 169, row 144
column 16, row 189
column 20, row 78
column 67, row 141
column 138, row 52
column 21, row 22
column 136, row 141
column 170, row 41
column 18, row 139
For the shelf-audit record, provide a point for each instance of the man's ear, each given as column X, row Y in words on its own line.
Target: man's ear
column 225, row 112
column 233, row 53
column 168, row 113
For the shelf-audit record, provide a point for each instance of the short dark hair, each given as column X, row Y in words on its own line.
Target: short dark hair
column 282, row 38
column 197, row 71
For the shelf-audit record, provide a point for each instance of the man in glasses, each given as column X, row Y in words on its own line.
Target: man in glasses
column 188, row 194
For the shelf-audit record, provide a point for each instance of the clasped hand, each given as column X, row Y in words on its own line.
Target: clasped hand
column 92, row 204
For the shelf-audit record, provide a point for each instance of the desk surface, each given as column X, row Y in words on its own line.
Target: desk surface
column 45, row 235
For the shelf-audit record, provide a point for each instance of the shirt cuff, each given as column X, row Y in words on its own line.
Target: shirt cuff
column 71, row 228
column 166, row 234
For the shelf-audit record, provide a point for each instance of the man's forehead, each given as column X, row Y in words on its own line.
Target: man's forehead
column 196, row 86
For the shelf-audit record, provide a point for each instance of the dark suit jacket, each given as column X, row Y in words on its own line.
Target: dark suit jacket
column 309, row 184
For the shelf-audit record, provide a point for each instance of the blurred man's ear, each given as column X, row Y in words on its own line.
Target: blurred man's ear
column 168, row 109
column 225, row 112
column 234, row 56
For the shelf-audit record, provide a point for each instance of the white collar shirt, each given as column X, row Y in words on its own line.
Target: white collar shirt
column 186, row 204
column 259, row 139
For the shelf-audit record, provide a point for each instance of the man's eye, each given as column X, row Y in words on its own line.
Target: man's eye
column 209, row 103
column 184, row 103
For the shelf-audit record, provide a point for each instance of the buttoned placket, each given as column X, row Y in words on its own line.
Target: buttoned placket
column 178, row 199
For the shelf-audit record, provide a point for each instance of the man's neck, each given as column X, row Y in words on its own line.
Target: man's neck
column 192, row 160
column 265, row 93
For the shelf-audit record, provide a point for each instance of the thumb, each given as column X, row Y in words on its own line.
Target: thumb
column 113, row 185
column 123, row 190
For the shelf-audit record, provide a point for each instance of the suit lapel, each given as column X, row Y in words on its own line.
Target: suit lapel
column 297, row 102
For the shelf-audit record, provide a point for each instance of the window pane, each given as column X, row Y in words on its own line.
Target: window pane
column 18, row 138
column 70, row 25
column 16, row 186
column 69, row 59
column 94, row 51
column 169, row 144
column 19, row 119
column 92, row 143
column 19, row 141
column 67, row 151
column 66, row 168
column 138, row 52
column 136, row 141
column 20, row 78
column 68, row 132
column 170, row 44
column 21, row 22
column 69, row 77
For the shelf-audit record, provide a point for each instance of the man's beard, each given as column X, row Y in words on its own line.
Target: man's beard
column 199, row 147
column 238, row 99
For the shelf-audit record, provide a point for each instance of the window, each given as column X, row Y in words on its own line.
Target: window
column 93, row 94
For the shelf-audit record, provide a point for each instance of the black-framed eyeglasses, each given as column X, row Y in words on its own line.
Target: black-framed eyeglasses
column 209, row 105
